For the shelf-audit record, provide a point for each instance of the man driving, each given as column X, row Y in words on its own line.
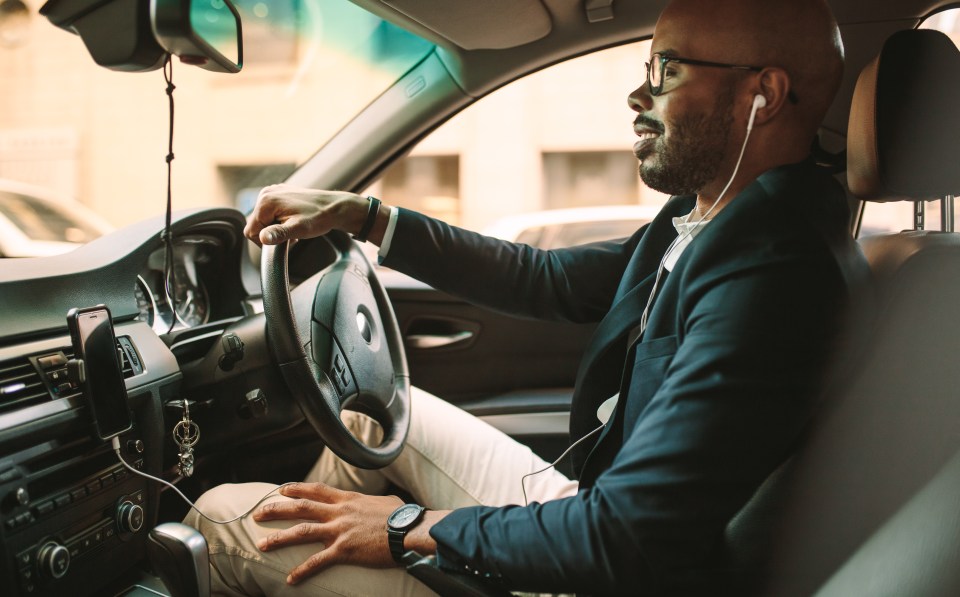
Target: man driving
column 716, row 324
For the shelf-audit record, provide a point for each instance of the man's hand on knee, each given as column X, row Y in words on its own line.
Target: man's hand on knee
column 350, row 526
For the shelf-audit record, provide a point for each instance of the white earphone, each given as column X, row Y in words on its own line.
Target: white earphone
column 759, row 101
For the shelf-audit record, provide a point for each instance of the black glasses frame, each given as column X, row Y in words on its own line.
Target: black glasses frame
column 661, row 60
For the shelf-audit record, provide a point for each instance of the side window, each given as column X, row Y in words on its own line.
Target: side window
column 560, row 138
column 881, row 218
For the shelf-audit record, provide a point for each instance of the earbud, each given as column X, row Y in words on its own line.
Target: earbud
column 759, row 101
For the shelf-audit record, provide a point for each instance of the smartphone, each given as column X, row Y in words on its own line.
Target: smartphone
column 94, row 341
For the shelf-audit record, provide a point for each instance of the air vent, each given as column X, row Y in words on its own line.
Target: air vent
column 20, row 385
column 129, row 359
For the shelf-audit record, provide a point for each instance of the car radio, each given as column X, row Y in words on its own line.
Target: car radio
column 69, row 514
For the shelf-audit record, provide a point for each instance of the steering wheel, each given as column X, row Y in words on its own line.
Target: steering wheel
column 338, row 346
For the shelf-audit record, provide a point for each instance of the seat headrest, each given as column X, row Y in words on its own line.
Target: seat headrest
column 904, row 121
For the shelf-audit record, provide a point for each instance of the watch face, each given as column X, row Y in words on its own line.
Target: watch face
column 404, row 515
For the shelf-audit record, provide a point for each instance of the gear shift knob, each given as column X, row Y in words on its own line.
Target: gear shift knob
column 178, row 554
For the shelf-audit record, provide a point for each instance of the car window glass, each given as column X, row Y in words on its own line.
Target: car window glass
column 41, row 221
column 531, row 236
column 579, row 233
column 882, row 218
column 558, row 138
column 80, row 131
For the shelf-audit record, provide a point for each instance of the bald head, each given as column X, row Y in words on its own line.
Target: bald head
column 799, row 36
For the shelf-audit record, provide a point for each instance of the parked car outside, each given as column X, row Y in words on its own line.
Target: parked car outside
column 558, row 228
column 37, row 223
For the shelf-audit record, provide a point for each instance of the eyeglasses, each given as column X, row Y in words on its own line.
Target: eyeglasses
column 655, row 75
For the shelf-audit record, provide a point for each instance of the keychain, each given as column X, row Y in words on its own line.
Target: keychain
column 186, row 434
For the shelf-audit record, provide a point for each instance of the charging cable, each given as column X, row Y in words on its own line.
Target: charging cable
column 115, row 443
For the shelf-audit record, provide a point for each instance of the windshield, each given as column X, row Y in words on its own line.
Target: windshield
column 100, row 136
column 41, row 220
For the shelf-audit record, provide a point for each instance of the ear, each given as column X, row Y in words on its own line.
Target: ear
column 773, row 83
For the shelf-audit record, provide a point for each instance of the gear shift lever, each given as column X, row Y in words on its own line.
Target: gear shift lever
column 178, row 554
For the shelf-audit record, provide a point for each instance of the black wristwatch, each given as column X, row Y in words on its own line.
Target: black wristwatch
column 402, row 520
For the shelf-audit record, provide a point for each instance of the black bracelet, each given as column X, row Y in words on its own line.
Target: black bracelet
column 372, row 212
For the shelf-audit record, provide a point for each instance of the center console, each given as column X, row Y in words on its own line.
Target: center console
column 72, row 516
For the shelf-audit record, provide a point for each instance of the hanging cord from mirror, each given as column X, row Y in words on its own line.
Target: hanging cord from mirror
column 169, row 274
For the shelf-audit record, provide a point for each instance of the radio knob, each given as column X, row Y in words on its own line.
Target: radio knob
column 130, row 517
column 53, row 560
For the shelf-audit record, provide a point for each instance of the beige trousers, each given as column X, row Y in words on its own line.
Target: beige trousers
column 451, row 460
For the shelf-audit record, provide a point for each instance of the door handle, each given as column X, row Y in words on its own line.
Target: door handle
column 429, row 341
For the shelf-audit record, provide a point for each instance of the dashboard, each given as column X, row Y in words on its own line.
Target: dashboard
column 176, row 296
column 72, row 518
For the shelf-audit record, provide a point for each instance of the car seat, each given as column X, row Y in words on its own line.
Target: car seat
column 872, row 506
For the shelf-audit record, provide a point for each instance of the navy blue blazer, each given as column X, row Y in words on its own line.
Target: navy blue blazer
column 713, row 395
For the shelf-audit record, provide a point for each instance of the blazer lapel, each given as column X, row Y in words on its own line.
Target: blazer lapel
column 601, row 368
column 637, row 280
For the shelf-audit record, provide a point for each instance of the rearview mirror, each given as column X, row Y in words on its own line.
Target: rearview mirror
column 205, row 33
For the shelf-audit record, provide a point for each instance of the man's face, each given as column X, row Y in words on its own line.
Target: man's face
column 685, row 131
column 691, row 146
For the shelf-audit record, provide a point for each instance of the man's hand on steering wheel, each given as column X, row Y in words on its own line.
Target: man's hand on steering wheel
column 285, row 212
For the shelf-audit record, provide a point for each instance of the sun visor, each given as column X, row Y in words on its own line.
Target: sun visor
column 479, row 25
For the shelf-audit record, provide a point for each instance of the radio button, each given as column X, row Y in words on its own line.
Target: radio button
column 93, row 486
column 78, row 493
column 26, row 581
column 54, row 560
column 44, row 508
column 130, row 517
column 25, row 558
column 61, row 500
column 26, row 575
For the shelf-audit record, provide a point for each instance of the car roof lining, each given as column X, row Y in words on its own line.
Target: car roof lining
column 479, row 65
column 471, row 25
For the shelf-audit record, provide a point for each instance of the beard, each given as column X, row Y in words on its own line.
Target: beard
column 684, row 162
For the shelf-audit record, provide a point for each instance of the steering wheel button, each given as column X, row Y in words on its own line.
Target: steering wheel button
column 337, row 363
